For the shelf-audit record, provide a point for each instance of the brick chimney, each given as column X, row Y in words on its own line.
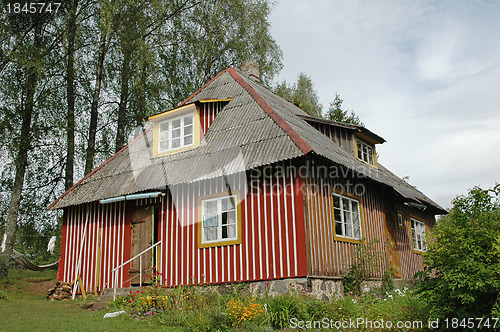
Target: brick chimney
column 251, row 69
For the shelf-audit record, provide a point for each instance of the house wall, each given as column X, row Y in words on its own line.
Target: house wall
column 273, row 240
column 95, row 238
column 330, row 258
column 208, row 112
column 341, row 136
column 272, row 244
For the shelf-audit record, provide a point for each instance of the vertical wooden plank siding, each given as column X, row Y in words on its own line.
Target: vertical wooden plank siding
column 110, row 220
column 208, row 112
column 328, row 257
column 273, row 240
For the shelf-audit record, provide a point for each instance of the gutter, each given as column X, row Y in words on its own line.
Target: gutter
column 131, row 197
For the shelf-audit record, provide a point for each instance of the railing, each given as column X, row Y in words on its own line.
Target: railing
column 115, row 270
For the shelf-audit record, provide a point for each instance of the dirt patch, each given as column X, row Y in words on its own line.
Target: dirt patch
column 39, row 287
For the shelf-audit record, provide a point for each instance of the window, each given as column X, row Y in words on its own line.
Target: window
column 176, row 133
column 418, row 235
column 365, row 152
column 347, row 217
column 400, row 220
column 219, row 221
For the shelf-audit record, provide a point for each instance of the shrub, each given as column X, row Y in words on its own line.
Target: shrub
column 462, row 277
column 366, row 262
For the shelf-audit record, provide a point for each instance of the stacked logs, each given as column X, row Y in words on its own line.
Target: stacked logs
column 60, row 291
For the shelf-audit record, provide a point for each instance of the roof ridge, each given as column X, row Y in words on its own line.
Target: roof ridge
column 301, row 143
column 203, row 87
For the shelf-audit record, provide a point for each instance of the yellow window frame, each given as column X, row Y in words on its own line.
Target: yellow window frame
column 179, row 112
column 238, row 221
column 361, row 222
column 356, row 139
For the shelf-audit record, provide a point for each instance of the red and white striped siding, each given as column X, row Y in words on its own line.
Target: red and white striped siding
column 85, row 228
column 273, row 240
column 328, row 257
column 272, row 246
column 208, row 112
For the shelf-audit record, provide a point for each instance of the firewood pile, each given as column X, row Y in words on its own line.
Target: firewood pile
column 60, row 291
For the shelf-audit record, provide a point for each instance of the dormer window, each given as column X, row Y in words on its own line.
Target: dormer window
column 365, row 152
column 176, row 133
column 176, row 130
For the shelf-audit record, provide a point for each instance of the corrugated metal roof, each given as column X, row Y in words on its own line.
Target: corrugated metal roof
column 255, row 128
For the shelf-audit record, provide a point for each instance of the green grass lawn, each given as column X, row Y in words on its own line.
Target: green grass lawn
column 23, row 307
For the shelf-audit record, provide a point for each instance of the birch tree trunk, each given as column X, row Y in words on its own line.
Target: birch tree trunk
column 22, row 152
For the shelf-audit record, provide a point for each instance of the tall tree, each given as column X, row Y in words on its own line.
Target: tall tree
column 70, row 94
column 302, row 94
column 30, row 62
column 104, row 22
column 336, row 113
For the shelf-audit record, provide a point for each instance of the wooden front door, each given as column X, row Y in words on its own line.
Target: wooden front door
column 142, row 238
column 391, row 234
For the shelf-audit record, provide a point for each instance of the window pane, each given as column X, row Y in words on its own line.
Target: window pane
column 228, row 203
column 337, row 214
column 176, row 143
column 231, row 231
column 210, row 206
column 176, row 133
column 210, row 220
column 336, row 201
column 348, row 230
column 211, row 233
column 231, row 217
column 347, row 218
column 188, row 140
column 345, row 204
column 356, row 226
column 164, row 146
column 164, row 126
column 188, row 120
column 338, row 228
column 176, row 123
column 188, row 130
column 163, row 135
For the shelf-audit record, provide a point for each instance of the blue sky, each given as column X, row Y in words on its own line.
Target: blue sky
column 425, row 75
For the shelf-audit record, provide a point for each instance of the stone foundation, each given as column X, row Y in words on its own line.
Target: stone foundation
column 321, row 288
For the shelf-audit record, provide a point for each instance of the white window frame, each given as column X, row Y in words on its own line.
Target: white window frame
column 366, row 152
column 219, row 219
column 352, row 216
column 418, row 235
column 182, row 135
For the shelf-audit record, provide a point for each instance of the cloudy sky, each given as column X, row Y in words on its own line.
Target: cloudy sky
column 424, row 75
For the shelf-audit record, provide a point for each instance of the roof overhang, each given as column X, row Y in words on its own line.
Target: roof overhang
column 360, row 131
column 184, row 106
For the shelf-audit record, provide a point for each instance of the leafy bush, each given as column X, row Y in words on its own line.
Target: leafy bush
column 367, row 258
column 462, row 278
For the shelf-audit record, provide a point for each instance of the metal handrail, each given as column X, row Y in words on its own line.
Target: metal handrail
column 115, row 275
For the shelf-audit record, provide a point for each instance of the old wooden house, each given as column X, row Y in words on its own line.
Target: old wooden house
column 237, row 184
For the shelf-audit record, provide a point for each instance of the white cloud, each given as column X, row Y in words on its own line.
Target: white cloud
column 422, row 74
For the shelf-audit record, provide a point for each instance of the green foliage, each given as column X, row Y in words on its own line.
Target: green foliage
column 387, row 283
column 302, row 94
column 365, row 265
column 462, row 278
column 336, row 113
